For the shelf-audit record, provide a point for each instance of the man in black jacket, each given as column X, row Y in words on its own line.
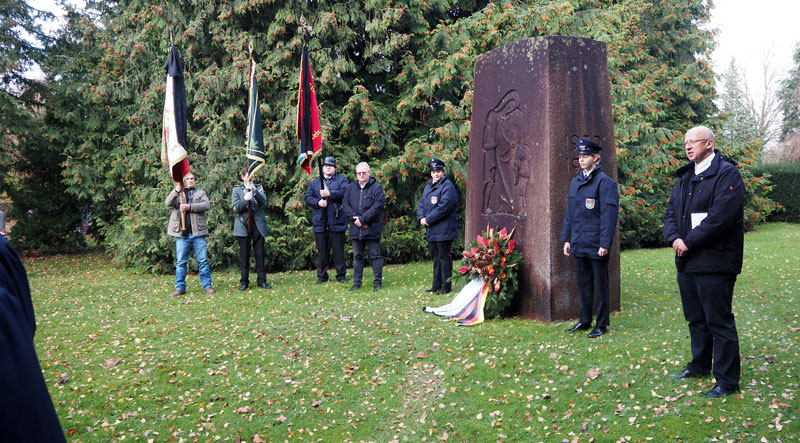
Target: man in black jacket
column 704, row 224
column 328, row 219
column 363, row 206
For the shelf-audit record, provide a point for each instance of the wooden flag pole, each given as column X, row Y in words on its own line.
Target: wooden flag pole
column 183, row 214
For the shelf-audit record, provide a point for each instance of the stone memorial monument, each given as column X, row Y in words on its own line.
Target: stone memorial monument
column 533, row 100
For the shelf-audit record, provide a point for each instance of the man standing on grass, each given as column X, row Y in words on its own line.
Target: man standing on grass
column 328, row 219
column 704, row 224
column 363, row 206
column 192, row 208
column 250, row 228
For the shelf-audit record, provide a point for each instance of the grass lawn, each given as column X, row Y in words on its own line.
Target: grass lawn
column 303, row 362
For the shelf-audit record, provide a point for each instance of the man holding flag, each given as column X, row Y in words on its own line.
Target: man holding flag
column 248, row 199
column 187, row 221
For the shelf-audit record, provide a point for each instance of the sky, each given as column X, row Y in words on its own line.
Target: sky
column 755, row 31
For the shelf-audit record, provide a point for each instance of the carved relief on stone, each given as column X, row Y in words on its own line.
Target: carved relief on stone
column 505, row 155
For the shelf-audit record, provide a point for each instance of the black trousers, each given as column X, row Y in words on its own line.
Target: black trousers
column 592, row 276
column 257, row 241
column 442, row 264
column 374, row 247
column 325, row 242
column 707, row 306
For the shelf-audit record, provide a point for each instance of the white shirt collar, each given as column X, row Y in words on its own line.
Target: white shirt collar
column 703, row 165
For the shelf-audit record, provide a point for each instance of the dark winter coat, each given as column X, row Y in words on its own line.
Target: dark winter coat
column 439, row 206
column 26, row 410
column 337, row 222
column 716, row 244
column 590, row 219
column 367, row 205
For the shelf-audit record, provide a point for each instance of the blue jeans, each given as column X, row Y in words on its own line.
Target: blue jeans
column 182, row 246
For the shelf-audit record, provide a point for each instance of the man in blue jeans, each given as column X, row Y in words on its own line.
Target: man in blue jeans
column 191, row 204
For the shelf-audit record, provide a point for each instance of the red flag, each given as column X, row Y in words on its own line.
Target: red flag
column 308, row 130
column 173, row 141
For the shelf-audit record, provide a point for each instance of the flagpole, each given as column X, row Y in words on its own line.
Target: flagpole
column 306, row 29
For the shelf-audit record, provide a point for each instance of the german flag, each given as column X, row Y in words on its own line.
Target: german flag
column 173, row 140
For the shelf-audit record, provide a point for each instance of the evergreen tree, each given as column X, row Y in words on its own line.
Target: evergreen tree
column 394, row 79
column 738, row 122
column 789, row 96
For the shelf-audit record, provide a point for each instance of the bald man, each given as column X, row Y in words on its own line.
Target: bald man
column 704, row 224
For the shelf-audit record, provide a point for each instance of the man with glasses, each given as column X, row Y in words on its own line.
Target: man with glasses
column 363, row 206
column 189, row 233
column 704, row 224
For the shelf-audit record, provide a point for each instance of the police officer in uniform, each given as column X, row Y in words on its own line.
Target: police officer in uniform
column 590, row 221
column 437, row 212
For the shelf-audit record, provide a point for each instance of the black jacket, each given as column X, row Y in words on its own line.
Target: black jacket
column 715, row 244
column 26, row 410
column 590, row 219
column 367, row 205
column 337, row 222
column 439, row 206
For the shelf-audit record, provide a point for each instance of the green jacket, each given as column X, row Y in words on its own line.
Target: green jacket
column 240, row 209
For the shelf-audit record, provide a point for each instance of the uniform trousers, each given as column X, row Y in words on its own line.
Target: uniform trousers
column 325, row 242
column 707, row 306
column 592, row 276
column 442, row 264
column 257, row 241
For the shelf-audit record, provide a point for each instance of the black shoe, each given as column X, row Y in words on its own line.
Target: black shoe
column 341, row 280
column 719, row 391
column 321, row 281
column 356, row 287
column 243, row 287
column 597, row 332
column 432, row 290
column 265, row 285
column 178, row 292
column 579, row 325
column 443, row 291
column 686, row 374
column 376, row 286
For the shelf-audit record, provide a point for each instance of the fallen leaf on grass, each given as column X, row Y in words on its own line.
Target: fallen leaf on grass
column 243, row 410
column 110, row 363
column 593, row 373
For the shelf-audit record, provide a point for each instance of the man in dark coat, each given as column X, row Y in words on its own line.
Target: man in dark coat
column 363, row 206
column 26, row 410
column 590, row 221
column 704, row 224
column 328, row 220
column 250, row 227
column 437, row 212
